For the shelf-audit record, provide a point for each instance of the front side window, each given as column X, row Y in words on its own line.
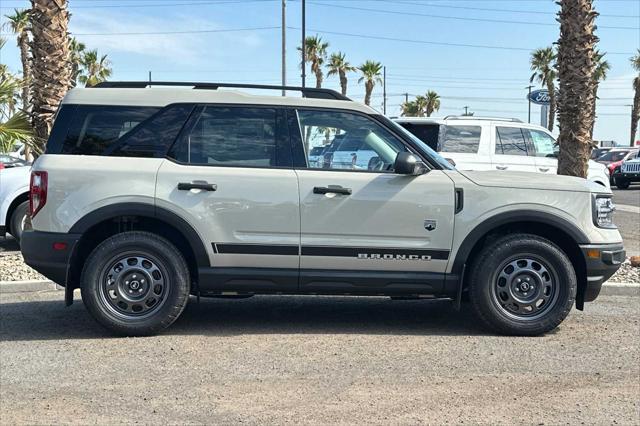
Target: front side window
column 460, row 139
column 543, row 144
column 510, row 141
column 347, row 141
column 230, row 136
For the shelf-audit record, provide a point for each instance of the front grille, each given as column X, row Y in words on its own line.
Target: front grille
column 631, row 167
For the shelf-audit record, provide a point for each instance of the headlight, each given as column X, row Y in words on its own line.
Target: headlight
column 603, row 209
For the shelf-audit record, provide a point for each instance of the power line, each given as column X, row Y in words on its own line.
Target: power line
column 436, row 43
column 228, row 30
column 460, row 18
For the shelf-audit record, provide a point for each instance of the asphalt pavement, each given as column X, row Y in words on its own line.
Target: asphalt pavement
column 316, row 360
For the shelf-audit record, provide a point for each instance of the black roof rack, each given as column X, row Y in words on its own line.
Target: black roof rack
column 307, row 92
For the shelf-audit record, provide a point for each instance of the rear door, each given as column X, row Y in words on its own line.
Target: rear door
column 512, row 152
column 366, row 229
column 463, row 144
column 230, row 176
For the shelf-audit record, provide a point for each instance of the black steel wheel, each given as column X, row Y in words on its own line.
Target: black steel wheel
column 135, row 283
column 522, row 284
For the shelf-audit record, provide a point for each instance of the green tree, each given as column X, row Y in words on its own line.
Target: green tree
column 315, row 53
column 542, row 65
column 339, row 66
column 599, row 75
column 432, row 102
column 371, row 74
column 14, row 126
column 76, row 53
column 635, row 111
column 95, row 68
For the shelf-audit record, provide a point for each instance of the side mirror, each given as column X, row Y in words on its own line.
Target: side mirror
column 407, row 164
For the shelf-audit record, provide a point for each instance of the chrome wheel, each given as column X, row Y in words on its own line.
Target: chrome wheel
column 133, row 286
column 525, row 288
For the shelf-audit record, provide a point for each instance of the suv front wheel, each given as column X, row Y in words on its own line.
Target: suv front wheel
column 522, row 284
column 135, row 283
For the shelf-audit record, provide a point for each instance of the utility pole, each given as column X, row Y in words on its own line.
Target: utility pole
column 529, row 99
column 633, row 136
column 149, row 76
column 466, row 110
column 384, row 90
column 406, row 98
column 304, row 37
column 284, row 46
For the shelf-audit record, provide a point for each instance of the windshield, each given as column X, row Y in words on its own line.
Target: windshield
column 613, row 156
column 426, row 150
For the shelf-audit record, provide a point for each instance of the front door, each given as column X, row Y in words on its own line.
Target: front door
column 545, row 151
column 230, row 177
column 364, row 228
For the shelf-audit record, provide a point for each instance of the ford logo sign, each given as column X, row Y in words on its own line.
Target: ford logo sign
column 539, row 97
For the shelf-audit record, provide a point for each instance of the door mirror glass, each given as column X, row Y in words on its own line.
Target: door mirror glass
column 407, row 164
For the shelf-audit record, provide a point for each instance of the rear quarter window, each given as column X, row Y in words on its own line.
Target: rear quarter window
column 460, row 139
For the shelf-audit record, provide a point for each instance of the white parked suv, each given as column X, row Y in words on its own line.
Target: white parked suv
column 14, row 200
column 485, row 143
column 147, row 195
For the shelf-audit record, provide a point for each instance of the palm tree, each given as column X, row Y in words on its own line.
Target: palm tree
column 410, row 109
column 576, row 66
column 635, row 111
column 18, row 23
column 51, row 74
column 371, row 74
column 599, row 75
column 421, row 104
column 315, row 53
column 14, row 127
column 95, row 69
column 542, row 65
column 433, row 102
column 77, row 50
column 338, row 65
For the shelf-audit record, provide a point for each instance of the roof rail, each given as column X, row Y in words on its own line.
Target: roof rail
column 472, row 117
column 307, row 92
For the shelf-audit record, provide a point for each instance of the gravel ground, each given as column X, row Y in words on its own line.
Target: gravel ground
column 317, row 360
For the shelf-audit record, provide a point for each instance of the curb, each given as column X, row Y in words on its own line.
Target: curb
column 609, row 289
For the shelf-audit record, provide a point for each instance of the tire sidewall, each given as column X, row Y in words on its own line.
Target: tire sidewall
column 16, row 221
column 170, row 261
column 482, row 293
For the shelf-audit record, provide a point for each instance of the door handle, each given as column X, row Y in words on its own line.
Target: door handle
column 502, row 167
column 543, row 169
column 197, row 184
column 331, row 189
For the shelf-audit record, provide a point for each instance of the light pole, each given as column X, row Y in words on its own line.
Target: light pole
column 632, row 136
column 304, row 59
column 284, row 46
column 384, row 90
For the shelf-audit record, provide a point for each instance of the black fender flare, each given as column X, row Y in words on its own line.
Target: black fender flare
column 145, row 210
column 506, row 218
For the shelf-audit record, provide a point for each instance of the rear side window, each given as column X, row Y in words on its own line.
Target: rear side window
column 510, row 141
column 460, row 139
column 426, row 132
column 94, row 129
column 230, row 136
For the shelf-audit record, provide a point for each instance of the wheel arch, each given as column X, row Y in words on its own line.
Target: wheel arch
column 104, row 222
column 558, row 230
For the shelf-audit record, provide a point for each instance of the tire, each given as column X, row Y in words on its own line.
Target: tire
column 622, row 183
column 504, row 304
column 17, row 221
column 135, row 283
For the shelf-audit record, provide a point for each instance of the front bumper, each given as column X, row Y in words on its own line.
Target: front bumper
column 49, row 253
column 602, row 261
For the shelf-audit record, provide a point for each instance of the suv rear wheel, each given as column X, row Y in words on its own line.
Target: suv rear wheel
column 522, row 284
column 622, row 183
column 135, row 283
column 18, row 220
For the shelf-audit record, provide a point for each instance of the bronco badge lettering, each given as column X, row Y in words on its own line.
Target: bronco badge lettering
column 379, row 256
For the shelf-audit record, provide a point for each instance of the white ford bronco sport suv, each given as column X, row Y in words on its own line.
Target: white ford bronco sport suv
column 147, row 195
column 487, row 143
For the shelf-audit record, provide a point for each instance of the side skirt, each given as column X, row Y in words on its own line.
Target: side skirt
column 216, row 281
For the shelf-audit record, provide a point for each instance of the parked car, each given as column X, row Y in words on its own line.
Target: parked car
column 146, row 195
column 8, row 161
column 14, row 200
column 598, row 152
column 628, row 172
column 486, row 143
column 614, row 158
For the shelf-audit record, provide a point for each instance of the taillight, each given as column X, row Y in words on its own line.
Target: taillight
column 1, row 166
column 38, row 192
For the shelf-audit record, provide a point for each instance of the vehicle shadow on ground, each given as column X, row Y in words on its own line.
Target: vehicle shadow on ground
column 8, row 244
column 46, row 320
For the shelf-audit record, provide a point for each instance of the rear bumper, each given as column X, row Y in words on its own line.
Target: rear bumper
column 602, row 261
column 39, row 252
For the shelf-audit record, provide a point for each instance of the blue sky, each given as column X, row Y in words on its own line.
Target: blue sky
column 473, row 53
